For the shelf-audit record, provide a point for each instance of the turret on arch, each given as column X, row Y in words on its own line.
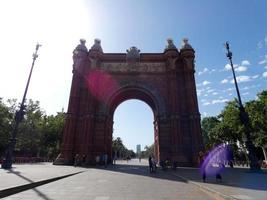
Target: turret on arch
column 101, row 81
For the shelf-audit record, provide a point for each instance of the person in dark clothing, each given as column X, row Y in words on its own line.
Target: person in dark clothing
column 150, row 164
column 204, row 176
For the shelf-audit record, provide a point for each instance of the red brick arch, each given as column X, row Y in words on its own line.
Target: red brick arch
column 101, row 81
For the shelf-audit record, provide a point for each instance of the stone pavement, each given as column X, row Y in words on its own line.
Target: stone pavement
column 128, row 181
column 237, row 183
column 131, row 181
column 29, row 173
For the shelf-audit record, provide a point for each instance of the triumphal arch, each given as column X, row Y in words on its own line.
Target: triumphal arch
column 101, row 81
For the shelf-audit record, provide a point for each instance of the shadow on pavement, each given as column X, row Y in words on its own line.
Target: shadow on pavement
column 32, row 185
column 140, row 170
column 232, row 177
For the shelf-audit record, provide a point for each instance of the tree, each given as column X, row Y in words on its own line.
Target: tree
column 257, row 110
column 209, row 137
column 149, row 150
column 6, row 118
column 52, row 130
column 120, row 150
column 38, row 134
column 227, row 127
column 233, row 129
column 118, row 147
column 29, row 134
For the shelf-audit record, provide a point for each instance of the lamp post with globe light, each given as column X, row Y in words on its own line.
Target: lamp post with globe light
column 7, row 162
column 244, row 118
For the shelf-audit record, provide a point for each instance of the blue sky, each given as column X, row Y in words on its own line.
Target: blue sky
column 58, row 26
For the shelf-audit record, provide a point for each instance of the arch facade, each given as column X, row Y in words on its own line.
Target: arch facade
column 101, row 81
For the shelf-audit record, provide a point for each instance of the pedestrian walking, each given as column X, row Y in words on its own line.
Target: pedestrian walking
column 114, row 159
column 76, row 160
column 150, row 164
column 105, row 160
column 154, row 164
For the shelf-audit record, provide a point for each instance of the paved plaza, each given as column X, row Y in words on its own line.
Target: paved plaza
column 127, row 180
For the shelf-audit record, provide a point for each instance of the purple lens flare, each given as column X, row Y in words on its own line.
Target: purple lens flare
column 214, row 161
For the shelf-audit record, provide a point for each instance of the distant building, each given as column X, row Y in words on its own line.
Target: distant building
column 138, row 149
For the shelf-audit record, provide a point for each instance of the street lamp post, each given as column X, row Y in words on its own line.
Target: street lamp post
column 244, row 118
column 7, row 162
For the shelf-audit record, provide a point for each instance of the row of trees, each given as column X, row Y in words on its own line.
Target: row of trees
column 148, row 151
column 227, row 127
column 39, row 135
column 120, row 150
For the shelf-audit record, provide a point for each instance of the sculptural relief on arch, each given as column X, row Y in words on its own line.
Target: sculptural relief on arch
column 101, row 81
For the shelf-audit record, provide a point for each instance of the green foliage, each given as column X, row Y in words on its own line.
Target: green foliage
column 257, row 111
column 227, row 127
column 149, row 150
column 5, row 126
column 29, row 134
column 52, row 129
column 208, row 124
column 231, row 126
column 120, row 150
column 38, row 134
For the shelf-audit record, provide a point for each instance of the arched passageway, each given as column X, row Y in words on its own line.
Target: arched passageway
column 101, row 81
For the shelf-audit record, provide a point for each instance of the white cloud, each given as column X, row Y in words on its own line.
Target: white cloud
column 241, row 69
column 238, row 68
column 255, row 76
column 265, row 67
column 241, row 79
column 206, row 103
column 203, row 100
column 211, row 90
column 230, row 94
column 216, row 101
column 224, row 81
column 245, row 93
column 228, row 67
column 203, row 71
column 206, row 82
column 230, row 89
column 264, row 74
column 245, row 62
column 215, row 93
column 260, row 45
column 245, row 88
column 205, row 114
column 264, row 60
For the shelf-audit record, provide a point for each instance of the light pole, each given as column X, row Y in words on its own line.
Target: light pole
column 244, row 118
column 7, row 162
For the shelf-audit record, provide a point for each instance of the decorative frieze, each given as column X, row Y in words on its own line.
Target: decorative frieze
column 155, row 67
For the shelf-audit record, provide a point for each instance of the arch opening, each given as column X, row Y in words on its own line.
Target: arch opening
column 133, row 125
column 148, row 103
